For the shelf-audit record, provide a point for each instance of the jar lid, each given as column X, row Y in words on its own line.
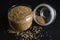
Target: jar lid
column 44, row 14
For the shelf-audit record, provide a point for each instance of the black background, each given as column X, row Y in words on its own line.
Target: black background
column 53, row 29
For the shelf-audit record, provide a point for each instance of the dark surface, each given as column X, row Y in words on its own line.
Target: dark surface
column 52, row 29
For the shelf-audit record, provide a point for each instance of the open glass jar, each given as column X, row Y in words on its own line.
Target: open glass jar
column 44, row 14
column 20, row 18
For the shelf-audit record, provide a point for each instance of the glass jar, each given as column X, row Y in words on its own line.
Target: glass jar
column 20, row 17
column 44, row 14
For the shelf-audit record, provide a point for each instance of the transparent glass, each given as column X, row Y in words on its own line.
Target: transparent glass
column 20, row 18
column 44, row 14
